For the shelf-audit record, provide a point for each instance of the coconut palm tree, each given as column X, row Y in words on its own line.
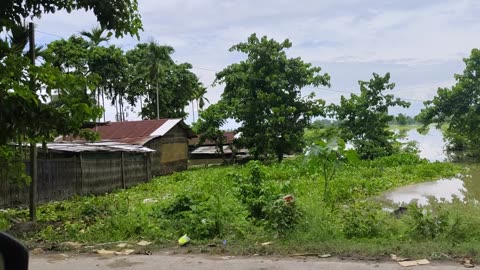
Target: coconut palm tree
column 95, row 36
column 157, row 56
column 199, row 96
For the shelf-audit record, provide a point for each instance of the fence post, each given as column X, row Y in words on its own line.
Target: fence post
column 123, row 170
column 81, row 173
column 149, row 167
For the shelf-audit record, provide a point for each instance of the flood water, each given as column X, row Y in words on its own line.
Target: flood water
column 431, row 146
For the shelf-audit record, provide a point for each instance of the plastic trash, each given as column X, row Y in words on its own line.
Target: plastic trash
column 182, row 241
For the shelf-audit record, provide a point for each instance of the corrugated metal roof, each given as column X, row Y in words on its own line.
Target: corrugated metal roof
column 96, row 147
column 129, row 129
column 134, row 132
column 211, row 150
column 229, row 135
column 163, row 129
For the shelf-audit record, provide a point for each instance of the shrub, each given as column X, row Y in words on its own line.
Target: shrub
column 425, row 224
column 263, row 197
column 363, row 220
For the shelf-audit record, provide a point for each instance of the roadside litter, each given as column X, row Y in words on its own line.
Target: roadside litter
column 182, row 241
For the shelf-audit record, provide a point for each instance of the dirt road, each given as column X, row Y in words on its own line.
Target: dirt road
column 183, row 262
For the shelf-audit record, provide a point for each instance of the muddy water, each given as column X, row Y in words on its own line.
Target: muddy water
column 431, row 146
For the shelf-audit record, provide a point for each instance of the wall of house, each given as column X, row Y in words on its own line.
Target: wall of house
column 171, row 152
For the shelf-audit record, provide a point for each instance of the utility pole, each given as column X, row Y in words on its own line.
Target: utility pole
column 33, row 145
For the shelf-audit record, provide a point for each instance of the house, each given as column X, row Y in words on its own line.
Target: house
column 168, row 137
column 208, row 153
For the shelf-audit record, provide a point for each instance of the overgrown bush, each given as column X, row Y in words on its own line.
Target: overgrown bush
column 283, row 215
column 363, row 220
column 263, row 198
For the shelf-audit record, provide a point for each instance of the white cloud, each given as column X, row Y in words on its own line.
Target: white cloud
column 419, row 42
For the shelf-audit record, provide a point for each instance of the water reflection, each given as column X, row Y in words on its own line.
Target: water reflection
column 444, row 189
column 431, row 146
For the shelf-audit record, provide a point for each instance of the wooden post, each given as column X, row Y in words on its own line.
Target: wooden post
column 123, row 171
column 33, row 183
column 81, row 173
column 33, row 145
column 148, row 168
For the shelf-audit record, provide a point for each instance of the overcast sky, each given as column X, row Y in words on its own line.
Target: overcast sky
column 421, row 43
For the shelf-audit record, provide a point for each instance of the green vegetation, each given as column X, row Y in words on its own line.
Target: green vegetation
column 364, row 118
column 458, row 107
column 250, row 203
column 263, row 94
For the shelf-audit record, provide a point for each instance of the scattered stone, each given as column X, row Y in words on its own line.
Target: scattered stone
column 398, row 258
column 37, row 251
column 323, row 256
column 105, row 252
column 266, row 244
column 227, row 257
column 72, row 245
column 122, row 245
column 125, row 252
column 468, row 262
column 143, row 243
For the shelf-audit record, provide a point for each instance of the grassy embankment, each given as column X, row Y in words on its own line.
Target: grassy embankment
column 221, row 203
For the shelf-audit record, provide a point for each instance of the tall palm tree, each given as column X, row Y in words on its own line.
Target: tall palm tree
column 199, row 96
column 157, row 56
column 95, row 36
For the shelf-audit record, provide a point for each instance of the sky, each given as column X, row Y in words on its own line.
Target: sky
column 421, row 43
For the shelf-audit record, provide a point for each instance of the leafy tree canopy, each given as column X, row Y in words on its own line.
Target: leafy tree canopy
column 209, row 125
column 263, row 94
column 459, row 107
column 152, row 68
column 120, row 16
column 364, row 118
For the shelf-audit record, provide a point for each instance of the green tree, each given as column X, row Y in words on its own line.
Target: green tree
column 110, row 64
column 401, row 119
column 263, row 94
column 459, row 107
column 95, row 36
column 364, row 118
column 209, row 126
column 156, row 77
column 119, row 16
column 199, row 97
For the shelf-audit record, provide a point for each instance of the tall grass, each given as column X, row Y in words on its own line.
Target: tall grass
column 209, row 204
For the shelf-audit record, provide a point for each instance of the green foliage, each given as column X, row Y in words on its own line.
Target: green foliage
column 12, row 166
column 458, row 107
column 28, row 115
column 326, row 158
column 363, row 220
column 403, row 120
column 211, row 204
column 209, row 126
column 425, row 224
column 121, row 17
column 284, row 216
column 154, row 74
column 364, row 118
column 264, row 199
column 263, row 93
